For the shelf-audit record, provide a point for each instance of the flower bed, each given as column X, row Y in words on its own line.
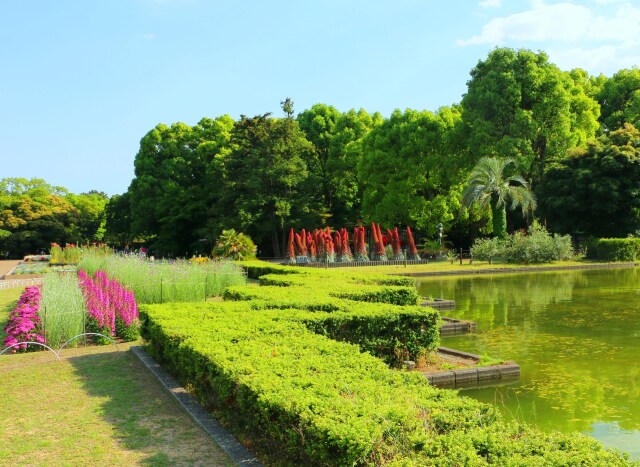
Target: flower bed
column 24, row 324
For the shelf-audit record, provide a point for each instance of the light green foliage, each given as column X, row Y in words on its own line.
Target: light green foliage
column 234, row 246
column 35, row 214
column 619, row 99
column 90, row 224
column 596, row 192
column 519, row 105
column 165, row 281
column 410, row 169
column 490, row 185
column 538, row 246
column 62, row 308
column 304, row 399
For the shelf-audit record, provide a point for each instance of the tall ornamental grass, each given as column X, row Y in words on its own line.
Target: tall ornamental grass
column 62, row 308
column 165, row 281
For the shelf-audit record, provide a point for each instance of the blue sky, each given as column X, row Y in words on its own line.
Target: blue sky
column 83, row 81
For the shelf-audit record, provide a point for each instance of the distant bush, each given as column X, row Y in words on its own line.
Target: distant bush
column 614, row 249
column 536, row 246
column 235, row 246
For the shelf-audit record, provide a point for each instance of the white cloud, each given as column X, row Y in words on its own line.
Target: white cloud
column 566, row 22
column 607, row 59
column 491, row 3
column 149, row 36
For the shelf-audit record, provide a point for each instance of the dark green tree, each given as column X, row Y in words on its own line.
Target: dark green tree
column 264, row 173
column 596, row 191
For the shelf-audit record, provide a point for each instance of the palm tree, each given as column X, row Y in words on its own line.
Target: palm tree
column 488, row 184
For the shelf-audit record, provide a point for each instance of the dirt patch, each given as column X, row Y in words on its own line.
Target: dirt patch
column 436, row 362
column 6, row 266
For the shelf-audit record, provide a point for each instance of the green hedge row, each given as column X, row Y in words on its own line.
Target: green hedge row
column 305, row 399
column 614, row 249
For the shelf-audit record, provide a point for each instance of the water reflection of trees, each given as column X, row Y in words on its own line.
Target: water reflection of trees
column 575, row 335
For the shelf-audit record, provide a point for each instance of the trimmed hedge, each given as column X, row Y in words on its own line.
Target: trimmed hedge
column 290, row 365
column 304, row 399
column 614, row 249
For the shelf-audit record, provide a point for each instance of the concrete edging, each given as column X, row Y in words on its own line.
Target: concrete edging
column 472, row 377
column 236, row 451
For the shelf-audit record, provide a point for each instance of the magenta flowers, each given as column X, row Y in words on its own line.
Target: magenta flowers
column 24, row 323
column 111, row 309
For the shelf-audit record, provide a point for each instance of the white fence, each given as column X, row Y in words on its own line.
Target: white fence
column 10, row 284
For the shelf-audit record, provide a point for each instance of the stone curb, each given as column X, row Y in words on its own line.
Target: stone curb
column 471, row 376
column 236, row 451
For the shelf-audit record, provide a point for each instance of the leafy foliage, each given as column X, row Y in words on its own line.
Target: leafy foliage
column 489, row 185
column 596, row 192
column 235, row 246
column 537, row 246
column 614, row 249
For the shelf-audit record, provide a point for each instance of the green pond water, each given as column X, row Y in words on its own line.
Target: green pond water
column 576, row 337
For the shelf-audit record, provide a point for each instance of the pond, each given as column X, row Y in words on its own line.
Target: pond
column 576, row 337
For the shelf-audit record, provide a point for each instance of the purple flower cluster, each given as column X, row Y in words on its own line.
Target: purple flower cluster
column 111, row 308
column 24, row 323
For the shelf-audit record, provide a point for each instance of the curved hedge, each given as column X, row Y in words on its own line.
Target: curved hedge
column 275, row 364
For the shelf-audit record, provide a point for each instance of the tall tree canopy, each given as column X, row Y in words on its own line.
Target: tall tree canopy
column 34, row 214
column 264, row 173
column 596, row 191
column 521, row 106
column 410, row 167
column 620, row 100
column 176, row 178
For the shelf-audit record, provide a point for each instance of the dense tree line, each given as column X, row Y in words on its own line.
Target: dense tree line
column 33, row 214
column 572, row 137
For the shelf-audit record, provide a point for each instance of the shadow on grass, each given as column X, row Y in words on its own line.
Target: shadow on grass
column 143, row 416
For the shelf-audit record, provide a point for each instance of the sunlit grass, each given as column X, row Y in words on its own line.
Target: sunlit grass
column 165, row 281
column 62, row 308
column 8, row 301
column 94, row 408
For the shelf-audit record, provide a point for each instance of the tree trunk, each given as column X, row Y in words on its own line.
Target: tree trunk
column 499, row 218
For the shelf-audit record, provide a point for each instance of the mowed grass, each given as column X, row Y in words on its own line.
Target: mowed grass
column 8, row 301
column 97, row 406
column 456, row 267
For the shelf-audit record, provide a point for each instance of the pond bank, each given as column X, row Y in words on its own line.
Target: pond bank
column 516, row 269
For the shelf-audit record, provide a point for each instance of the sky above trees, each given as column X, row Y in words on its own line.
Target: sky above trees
column 83, row 82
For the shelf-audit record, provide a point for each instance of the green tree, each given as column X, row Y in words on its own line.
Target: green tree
column 90, row 224
column 521, row 106
column 118, row 220
column 263, row 174
column 620, row 100
column 177, row 178
column 596, row 191
column 35, row 214
column 490, row 185
column 411, row 168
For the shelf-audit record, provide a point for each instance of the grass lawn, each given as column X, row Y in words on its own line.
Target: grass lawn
column 96, row 406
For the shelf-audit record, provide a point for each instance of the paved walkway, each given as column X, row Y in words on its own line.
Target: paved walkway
column 6, row 266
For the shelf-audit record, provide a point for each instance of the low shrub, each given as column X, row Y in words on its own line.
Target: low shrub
column 536, row 246
column 614, row 249
column 304, row 399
